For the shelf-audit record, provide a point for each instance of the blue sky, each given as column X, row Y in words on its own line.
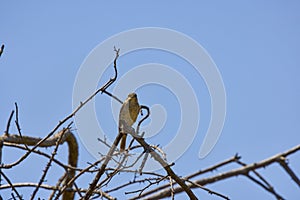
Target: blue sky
column 254, row 44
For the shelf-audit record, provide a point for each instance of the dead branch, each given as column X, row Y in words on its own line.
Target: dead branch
column 162, row 162
column 283, row 162
column 66, row 136
column 83, row 171
column 209, row 169
column 48, row 167
column 8, row 122
column 2, row 49
column 102, row 89
column 11, row 185
column 49, row 187
column 206, row 189
column 93, row 185
column 232, row 173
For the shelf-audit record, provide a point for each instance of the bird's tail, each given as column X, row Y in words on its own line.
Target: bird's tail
column 123, row 142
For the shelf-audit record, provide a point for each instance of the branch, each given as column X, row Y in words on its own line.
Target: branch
column 282, row 161
column 11, row 185
column 208, row 190
column 266, row 187
column 8, row 122
column 209, row 169
column 77, row 176
column 67, row 136
column 2, row 49
column 161, row 161
column 49, row 187
column 117, row 139
column 233, row 173
column 44, row 141
column 18, row 125
column 48, row 167
column 261, row 182
column 103, row 167
column 102, row 89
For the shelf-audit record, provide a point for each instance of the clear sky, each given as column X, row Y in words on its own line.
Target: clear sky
column 255, row 46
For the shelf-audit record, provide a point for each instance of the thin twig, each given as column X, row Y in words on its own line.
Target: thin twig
column 8, row 123
column 71, row 181
column 208, row 190
column 18, row 124
column 117, row 139
column 146, row 187
column 48, row 187
column 143, row 163
column 269, row 189
column 115, row 171
column 130, row 183
column 1, row 148
column 172, row 188
column 78, row 190
column 144, row 118
column 59, row 163
column 291, row 173
column 11, row 185
column 59, row 182
column 2, row 49
column 113, row 96
column 267, row 184
column 48, row 165
column 93, row 185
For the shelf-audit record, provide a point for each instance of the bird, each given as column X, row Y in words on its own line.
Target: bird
column 127, row 116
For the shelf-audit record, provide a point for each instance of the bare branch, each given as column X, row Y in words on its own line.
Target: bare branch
column 102, row 89
column 71, row 181
column 48, row 187
column 162, row 162
column 261, row 182
column 103, row 166
column 112, row 80
column 67, row 136
column 117, row 139
column 208, row 190
column 59, row 182
column 209, row 169
column 48, row 167
column 269, row 189
column 11, row 185
column 282, row 161
column 232, row 173
column 8, row 122
column 18, row 124
column 157, row 181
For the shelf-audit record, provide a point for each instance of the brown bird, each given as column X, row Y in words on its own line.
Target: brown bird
column 128, row 115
